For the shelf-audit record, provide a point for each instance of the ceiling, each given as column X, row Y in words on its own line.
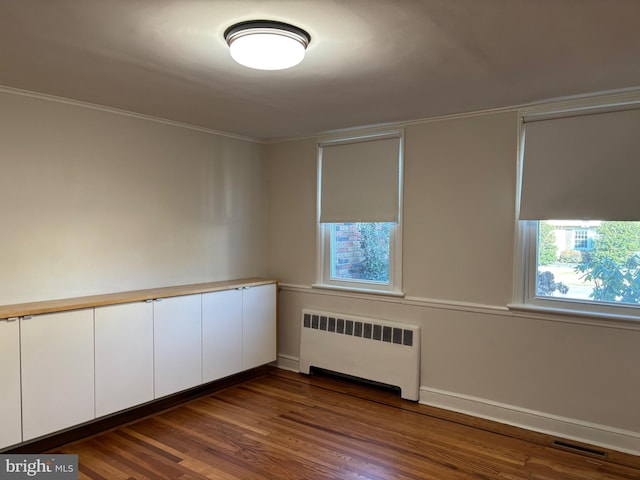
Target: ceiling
column 369, row 61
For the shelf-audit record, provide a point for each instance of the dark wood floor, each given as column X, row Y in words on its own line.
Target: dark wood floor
column 288, row 426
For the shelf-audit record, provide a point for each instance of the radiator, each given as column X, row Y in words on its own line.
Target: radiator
column 371, row 349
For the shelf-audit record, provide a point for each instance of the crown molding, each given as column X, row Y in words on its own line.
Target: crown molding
column 126, row 113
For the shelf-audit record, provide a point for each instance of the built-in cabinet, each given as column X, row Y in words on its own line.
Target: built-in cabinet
column 238, row 330
column 61, row 369
column 258, row 326
column 57, row 371
column 10, row 410
column 221, row 334
column 177, row 344
column 124, row 356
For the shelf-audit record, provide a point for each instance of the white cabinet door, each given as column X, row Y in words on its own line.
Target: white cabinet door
column 57, row 371
column 221, row 334
column 10, row 410
column 258, row 326
column 124, row 356
column 177, row 327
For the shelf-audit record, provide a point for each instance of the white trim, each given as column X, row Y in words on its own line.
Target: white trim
column 323, row 233
column 577, row 313
column 294, row 287
column 343, row 292
column 126, row 113
column 370, row 291
column 524, row 297
column 557, row 104
column 369, row 129
column 519, row 264
column 368, row 137
column 552, row 105
column 580, row 111
column 581, row 104
column 512, row 310
column 554, row 315
column 455, row 305
column 570, row 428
column 288, row 362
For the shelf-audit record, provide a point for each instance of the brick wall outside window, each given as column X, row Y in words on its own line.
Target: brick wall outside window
column 349, row 254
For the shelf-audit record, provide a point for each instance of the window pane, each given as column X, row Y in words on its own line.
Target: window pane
column 581, row 240
column 595, row 261
column 360, row 252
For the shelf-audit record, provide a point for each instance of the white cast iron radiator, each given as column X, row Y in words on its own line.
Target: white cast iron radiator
column 372, row 349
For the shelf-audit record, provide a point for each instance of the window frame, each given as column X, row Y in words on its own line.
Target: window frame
column 526, row 231
column 323, row 237
column 526, row 283
column 393, row 287
column 584, row 242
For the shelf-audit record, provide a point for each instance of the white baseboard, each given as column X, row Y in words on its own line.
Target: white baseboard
column 287, row 362
column 568, row 428
column 563, row 427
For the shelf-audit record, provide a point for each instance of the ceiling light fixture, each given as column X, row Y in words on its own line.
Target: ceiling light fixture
column 266, row 44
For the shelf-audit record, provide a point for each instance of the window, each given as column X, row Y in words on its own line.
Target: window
column 606, row 274
column 359, row 192
column 575, row 164
column 360, row 251
column 580, row 240
column 360, row 255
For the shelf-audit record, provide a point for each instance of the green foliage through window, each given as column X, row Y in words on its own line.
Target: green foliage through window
column 614, row 263
column 548, row 250
column 606, row 268
column 360, row 251
column 374, row 242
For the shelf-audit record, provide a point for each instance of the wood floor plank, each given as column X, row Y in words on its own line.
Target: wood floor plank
column 189, row 462
column 297, row 427
column 379, row 448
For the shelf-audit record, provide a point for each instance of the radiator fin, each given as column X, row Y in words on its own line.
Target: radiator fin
column 360, row 329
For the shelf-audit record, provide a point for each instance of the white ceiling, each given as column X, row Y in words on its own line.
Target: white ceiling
column 369, row 61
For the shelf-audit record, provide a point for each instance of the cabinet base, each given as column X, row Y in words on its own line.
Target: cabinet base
column 44, row 444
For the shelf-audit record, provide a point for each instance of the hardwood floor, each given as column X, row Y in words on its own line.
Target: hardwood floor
column 288, row 426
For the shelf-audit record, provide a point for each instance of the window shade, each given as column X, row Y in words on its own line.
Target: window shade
column 582, row 167
column 360, row 180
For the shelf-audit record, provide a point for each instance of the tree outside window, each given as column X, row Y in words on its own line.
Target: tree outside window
column 607, row 269
column 360, row 251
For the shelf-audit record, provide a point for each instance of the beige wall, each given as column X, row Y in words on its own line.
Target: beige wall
column 547, row 373
column 459, row 209
column 95, row 202
column 292, row 211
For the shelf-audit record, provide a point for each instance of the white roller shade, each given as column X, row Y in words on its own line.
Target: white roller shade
column 360, row 180
column 582, row 167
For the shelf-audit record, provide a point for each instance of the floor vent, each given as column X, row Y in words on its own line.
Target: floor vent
column 592, row 452
column 372, row 349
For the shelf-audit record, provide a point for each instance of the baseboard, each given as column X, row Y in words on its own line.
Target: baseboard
column 287, row 362
column 569, row 428
column 624, row 441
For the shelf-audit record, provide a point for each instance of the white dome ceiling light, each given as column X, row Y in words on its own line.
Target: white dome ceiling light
column 266, row 44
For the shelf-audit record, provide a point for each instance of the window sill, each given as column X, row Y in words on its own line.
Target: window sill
column 368, row 291
column 589, row 316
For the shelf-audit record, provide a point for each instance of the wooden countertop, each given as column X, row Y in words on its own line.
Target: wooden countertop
column 59, row 305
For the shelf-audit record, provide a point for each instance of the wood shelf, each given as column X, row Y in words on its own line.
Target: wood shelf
column 60, row 305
